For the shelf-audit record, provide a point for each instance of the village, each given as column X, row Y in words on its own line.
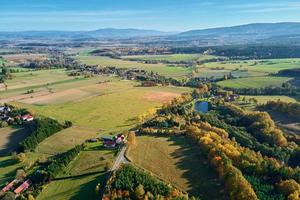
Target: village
column 9, row 116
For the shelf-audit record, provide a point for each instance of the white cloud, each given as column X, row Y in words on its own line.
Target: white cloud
column 265, row 7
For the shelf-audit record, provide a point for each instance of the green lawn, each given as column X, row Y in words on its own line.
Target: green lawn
column 92, row 159
column 177, row 161
column 162, row 69
column 262, row 66
column 253, row 82
column 170, row 58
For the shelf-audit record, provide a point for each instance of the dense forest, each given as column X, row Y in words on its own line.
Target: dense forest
column 245, row 51
column 253, row 158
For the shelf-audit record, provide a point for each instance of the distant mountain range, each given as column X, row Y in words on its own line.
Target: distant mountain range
column 107, row 33
column 250, row 33
column 255, row 30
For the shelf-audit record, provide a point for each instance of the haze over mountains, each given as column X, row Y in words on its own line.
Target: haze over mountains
column 250, row 33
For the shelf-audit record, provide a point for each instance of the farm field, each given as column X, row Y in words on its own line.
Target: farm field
column 262, row 66
column 170, row 58
column 264, row 98
column 178, row 162
column 162, row 69
column 80, row 185
column 8, row 168
column 253, row 82
column 35, row 78
column 64, row 89
column 115, row 110
column 220, row 73
column 68, row 138
column 15, row 59
column 10, row 138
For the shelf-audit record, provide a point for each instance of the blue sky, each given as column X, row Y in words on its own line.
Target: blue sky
column 166, row 15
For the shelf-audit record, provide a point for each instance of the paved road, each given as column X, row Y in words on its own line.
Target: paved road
column 119, row 160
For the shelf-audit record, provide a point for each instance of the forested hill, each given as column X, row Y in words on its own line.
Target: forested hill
column 255, row 30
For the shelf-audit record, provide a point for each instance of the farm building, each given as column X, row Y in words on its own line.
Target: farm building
column 22, row 187
column 113, row 141
column 10, row 185
column 27, row 118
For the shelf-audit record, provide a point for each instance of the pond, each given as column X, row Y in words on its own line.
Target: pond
column 202, row 106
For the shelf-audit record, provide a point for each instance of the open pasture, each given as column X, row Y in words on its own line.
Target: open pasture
column 68, row 138
column 15, row 59
column 253, row 82
column 47, row 91
column 115, row 110
column 80, row 185
column 220, row 73
column 262, row 99
column 262, row 66
column 162, row 69
column 35, row 78
column 170, row 58
column 177, row 161
column 8, row 168
column 10, row 138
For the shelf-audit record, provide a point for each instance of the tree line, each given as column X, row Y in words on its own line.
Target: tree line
column 42, row 128
column 224, row 139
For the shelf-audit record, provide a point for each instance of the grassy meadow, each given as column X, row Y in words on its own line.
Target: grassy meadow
column 261, row 66
column 171, row 58
column 253, row 82
column 8, row 168
column 67, row 138
column 10, row 138
column 177, row 161
column 262, row 99
column 162, row 69
column 113, row 111
column 79, row 184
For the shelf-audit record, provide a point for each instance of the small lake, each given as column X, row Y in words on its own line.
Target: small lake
column 201, row 106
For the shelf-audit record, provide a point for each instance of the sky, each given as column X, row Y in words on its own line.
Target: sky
column 164, row 15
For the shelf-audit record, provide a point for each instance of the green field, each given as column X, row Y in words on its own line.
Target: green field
column 36, row 78
column 67, row 138
column 112, row 112
column 253, row 82
column 8, row 168
column 176, row 161
column 2, row 61
column 80, row 185
column 261, row 66
column 171, row 58
column 10, row 138
column 51, row 87
column 162, row 69
column 264, row 99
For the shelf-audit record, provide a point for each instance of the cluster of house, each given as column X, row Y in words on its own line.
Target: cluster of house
column 16, row 187
column 5, row 115
column 227, row 98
